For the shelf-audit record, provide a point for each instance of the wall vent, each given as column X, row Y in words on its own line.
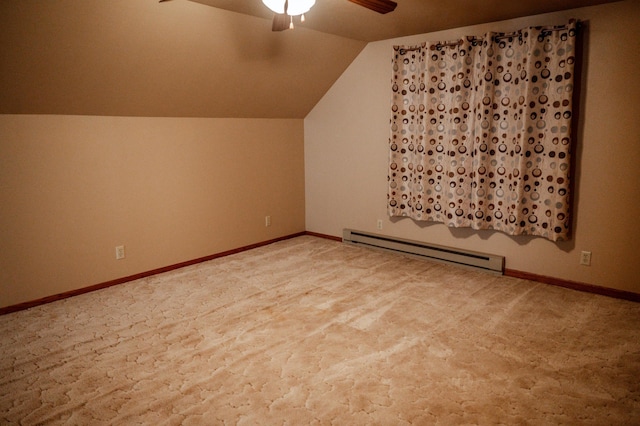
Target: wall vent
column 476, row 260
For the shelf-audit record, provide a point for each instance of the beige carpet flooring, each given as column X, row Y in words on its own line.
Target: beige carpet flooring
column 312, row 331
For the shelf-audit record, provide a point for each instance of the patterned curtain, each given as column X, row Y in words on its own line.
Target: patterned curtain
column 481, row 132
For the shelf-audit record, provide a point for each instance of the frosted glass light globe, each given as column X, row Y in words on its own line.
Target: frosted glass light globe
column 296, row 7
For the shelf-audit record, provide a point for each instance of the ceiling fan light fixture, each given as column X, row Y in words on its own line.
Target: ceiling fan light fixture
column 296, row 7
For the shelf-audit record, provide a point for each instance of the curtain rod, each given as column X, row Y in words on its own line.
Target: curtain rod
column 496, row 37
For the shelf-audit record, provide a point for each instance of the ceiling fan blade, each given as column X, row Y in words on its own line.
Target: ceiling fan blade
column 380, row 6
column 280, row 22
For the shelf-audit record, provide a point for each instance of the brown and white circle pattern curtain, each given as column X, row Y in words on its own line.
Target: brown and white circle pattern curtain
column 481, row 132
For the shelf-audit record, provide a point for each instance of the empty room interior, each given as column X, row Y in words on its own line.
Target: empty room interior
column 212, row 212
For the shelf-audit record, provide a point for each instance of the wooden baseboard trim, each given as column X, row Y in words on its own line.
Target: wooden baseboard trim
column 587, row 288
column 117, row 281
column 325, row 236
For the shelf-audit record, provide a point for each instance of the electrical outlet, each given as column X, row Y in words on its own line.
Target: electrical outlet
column 267, row 221
column 119, row 252
column 379, row 224
column 585, row 258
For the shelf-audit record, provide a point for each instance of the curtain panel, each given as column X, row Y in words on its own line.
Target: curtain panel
column 481, row 132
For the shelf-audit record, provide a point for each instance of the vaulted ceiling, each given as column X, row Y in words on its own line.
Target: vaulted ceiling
column 346, row 19
column 203, row 58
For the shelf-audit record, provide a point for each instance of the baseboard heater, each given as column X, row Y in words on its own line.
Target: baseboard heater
column 484, row 261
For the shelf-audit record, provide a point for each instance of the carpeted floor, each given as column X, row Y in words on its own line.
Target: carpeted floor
column 311, row 331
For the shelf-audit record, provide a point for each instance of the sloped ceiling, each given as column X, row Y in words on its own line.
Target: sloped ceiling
column 203, row 58
column 346, row 19
column 172, row 59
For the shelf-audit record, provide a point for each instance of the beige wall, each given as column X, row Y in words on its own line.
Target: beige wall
column 346, row 155
column 170, row 189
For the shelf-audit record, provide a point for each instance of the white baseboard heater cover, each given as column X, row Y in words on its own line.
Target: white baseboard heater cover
column 484, row 261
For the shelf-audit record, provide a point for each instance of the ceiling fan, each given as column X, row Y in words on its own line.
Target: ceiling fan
column 285, row 10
